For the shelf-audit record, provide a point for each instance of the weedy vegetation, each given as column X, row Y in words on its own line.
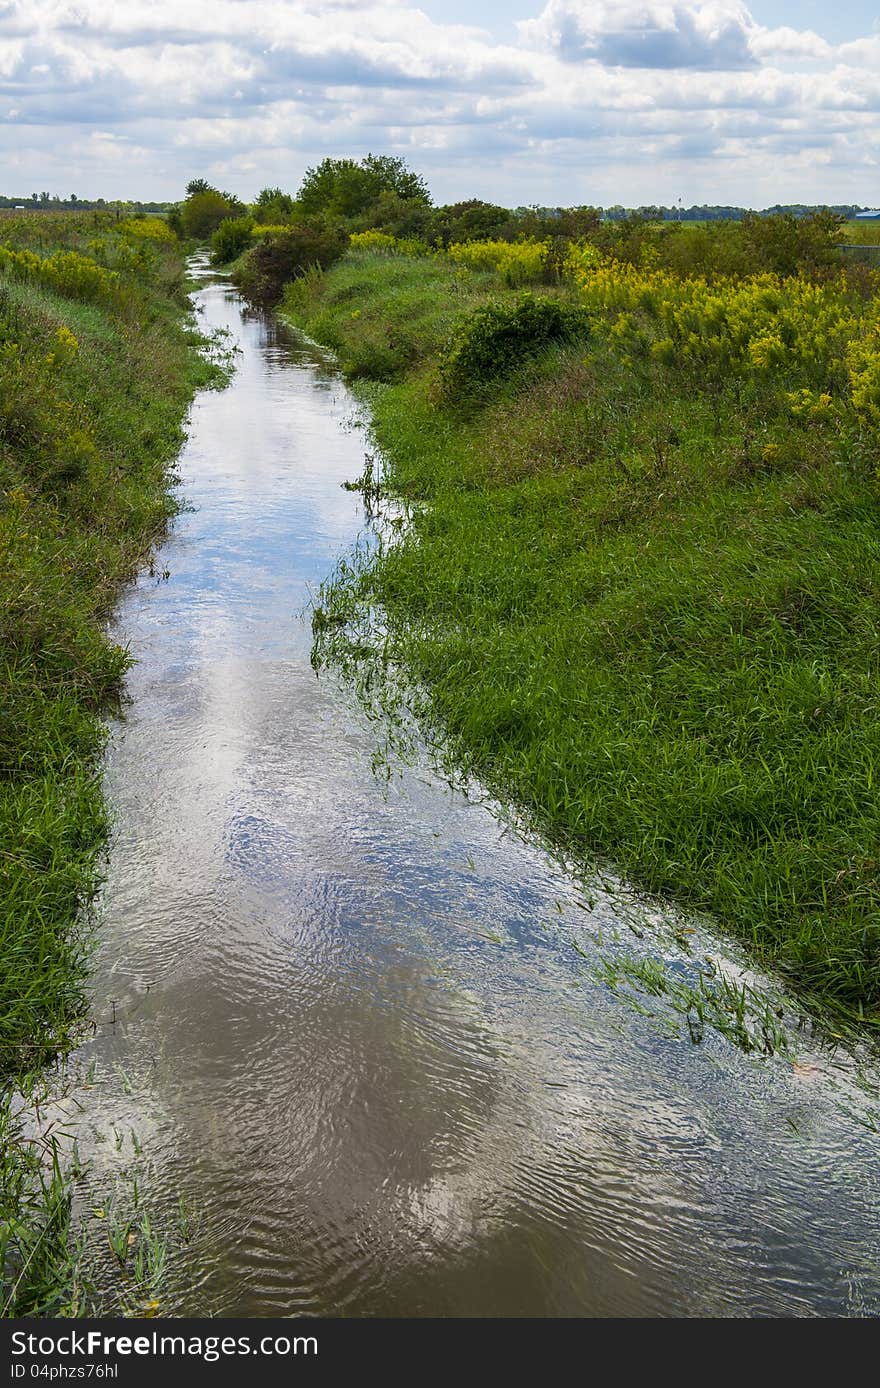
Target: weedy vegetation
column 98, row 364
column 637, row 594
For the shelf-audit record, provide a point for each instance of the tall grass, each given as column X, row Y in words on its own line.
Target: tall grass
column 92, row 397
column 379, row 335
column 865, row 233
column 642, row 606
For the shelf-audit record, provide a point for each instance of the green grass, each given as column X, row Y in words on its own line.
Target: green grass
column 617, row 613
column 89, row 428
column 380, row 335
column 865, row 233
column 39, row 1251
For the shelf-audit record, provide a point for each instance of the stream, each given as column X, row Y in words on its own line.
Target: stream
column 343, row 1022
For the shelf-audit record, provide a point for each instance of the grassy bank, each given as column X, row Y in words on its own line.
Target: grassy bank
column 97, row 368
column 639, row 594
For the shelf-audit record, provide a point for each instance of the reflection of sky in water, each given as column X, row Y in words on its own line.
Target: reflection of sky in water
column 350, row 1025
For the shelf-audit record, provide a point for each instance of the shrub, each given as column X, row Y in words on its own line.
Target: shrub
column 761, row 329
column 517, row 262
column 276, row 260
column 232, row 237
column 274, row 206
column 146, row 229
column 382, row 241
column 66, row 272
column 473, row 220
column 205, row 209
column 788, row 245
column 399, row 217
column 496, row 339
column 372, row 241
column 565, row 223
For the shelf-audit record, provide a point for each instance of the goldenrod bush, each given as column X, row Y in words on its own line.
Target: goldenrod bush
column 68, row 273
column 146, row 229
column 788, row 335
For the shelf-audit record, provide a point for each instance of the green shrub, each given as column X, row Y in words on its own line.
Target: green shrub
column 473, row 220
column 381, row 361
column 204, row 210
column 232, row 237
column 276, row 260
column 497, row 338
column 274, row 206
column 789, row 245
column 404, row 218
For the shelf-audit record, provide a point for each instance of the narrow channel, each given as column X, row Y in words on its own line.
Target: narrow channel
column 344, row 1022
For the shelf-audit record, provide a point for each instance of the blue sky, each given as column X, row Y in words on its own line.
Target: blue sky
column 839, row 23
column 550, row 101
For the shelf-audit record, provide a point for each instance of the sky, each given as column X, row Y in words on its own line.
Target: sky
column 565, row 102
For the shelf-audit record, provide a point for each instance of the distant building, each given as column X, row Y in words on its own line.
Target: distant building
column 868, row 216
column 19, row 207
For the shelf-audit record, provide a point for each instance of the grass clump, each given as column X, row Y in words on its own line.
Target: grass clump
column 97, row 368
column 638, row 593
column 497, row 338
column 39, row 1253
column 710, row 1000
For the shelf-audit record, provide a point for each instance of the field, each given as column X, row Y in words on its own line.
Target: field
column 638, row 594
column 865, row 233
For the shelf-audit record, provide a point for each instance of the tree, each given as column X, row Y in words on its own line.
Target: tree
column 472, row 220
column 273, row 206
column 205, row 208
column 267, row 196
column 396, row 216
column 393, row 175
column 337, row 186
column 345, row 188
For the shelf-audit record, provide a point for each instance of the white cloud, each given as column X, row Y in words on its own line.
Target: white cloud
column 782, row 45
column 599, row 100
column 657, row 34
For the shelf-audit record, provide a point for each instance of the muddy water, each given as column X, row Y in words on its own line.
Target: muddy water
column 348, row 1025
